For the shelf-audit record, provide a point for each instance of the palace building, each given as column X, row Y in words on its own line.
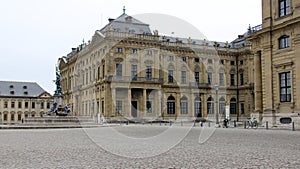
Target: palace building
column 19, row 100
column 276, row 49
column 127, row 71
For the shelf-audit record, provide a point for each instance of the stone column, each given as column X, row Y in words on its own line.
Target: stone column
column 160, row 102
column 296, row 90
column 113, row 101
column 128, row 114
column 257, row 84
column 177, row 105
column 144, row 106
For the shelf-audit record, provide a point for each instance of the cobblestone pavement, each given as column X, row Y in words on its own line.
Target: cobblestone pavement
column 74, row 148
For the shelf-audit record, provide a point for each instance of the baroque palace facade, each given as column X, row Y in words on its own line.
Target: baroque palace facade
column 276, row 49
column 126, row 71
column 19, row 100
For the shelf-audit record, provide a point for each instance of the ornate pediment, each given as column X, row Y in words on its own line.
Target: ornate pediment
column 134, row 61
column 118, row 60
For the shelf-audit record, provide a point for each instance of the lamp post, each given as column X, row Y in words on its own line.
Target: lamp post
column 217, row 105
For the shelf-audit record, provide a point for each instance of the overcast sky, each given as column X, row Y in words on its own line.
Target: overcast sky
column 35, row 33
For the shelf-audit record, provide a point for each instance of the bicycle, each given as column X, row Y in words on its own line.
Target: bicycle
column 252, row 123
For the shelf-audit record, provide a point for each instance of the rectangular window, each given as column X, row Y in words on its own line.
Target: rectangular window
column 33, row 105
column 284, row 7
column 42, row 105
column 5, row 105
column 222, row 62
column 5, row 117
column 103, row 71
column 148, row 72
column 133, row 72
column 285, row 87
column 284, row 42
column 12, row 104
column 133, row 51
column 12, row 117
column 26, row 105
column 184, row 59
column 242, row 79
column 183, row 77
column 184, row 107
column 119, row 106
column 149, row 107
column 231, row 79
column 170, row 58
column 118, row 69
column 170, row 76
column 210, row 108
column 98, row 72
column 197, row 60
column 48, row 105
column 209, row 61
column 102, row 106
column 232, row 63
column 119, row 50
column 222, row 108
column 19, row 105
column 209, row 78
column 242, row 108
column 221, row 79
column 197, row 77
column 241, row 62
column 149, row 52
column 232, row 108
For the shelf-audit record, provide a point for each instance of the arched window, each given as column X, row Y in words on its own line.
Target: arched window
column 233, row 106
column 198, row 107
column 222, row 105
column 171, row 105
column 184, row 105
column 210, row 105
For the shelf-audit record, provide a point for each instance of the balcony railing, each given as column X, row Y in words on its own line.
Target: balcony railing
column 196, row 84
column 134, row 79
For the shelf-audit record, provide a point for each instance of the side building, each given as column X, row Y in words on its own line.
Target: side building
column 126, row 71
column 276, row 50
column 19, row 100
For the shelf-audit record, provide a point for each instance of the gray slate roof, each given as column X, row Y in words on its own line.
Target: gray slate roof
column 127, row 24
column 20, row 89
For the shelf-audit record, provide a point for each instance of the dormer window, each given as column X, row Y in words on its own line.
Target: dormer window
column 24, row 87
column 134, row 51
column 119, row 50
column 284, row 7
column 11, row 86
column 26, row 93
column 12, row 92
column 284, row 42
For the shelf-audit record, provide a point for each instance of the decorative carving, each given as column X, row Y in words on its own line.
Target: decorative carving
column 118, row 60
column 148, row 62
column 134, row 61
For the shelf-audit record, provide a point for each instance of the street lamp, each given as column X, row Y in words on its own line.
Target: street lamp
column 217, row 105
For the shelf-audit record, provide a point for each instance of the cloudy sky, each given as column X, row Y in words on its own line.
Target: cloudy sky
column 35, row 33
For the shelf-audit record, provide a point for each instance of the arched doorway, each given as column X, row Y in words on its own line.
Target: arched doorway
column 233, row 106
column 184, row 105
column 198, row 107
column 210, row 105
column 171, row 105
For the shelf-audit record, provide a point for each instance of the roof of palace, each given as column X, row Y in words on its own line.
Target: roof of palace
column 20, row 89
column 127, row 24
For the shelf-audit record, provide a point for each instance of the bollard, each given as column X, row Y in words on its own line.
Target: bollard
column 245, row 124
column 209, row 124
column 194, row 123
column 267, row 125
column 151, row 123
column 127, row 122
column 170, row 123
column 160, row 123
column 293, row 126
column 181, row 123
column 143, row 122
column 234, row 123
column 201, row 124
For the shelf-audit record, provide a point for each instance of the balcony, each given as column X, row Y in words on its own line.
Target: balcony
column 199, row 85
column 134, row 79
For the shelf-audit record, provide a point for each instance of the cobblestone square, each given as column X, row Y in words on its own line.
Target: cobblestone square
column 77, row 148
